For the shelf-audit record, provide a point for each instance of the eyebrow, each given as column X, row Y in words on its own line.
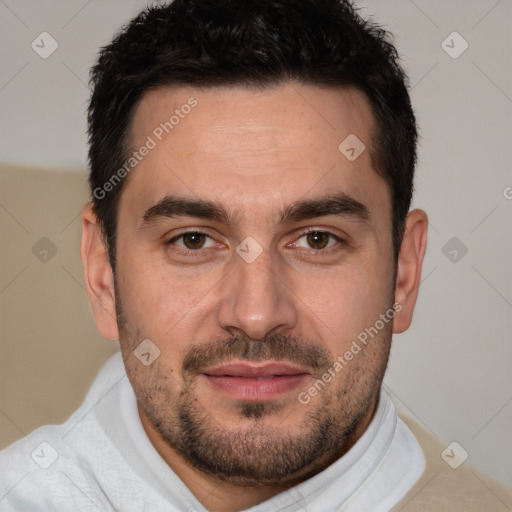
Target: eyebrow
column 340, row 204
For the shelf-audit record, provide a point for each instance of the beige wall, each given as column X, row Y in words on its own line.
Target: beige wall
column 50, row 349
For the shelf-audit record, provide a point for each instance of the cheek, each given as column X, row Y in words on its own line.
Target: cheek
column 348, row 301
column 163, row 304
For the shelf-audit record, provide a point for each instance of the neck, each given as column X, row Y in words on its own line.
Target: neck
column 219, row 495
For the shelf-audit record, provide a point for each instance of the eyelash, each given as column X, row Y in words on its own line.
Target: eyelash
column 198, row 252
column 188, row 252
column 328, row 233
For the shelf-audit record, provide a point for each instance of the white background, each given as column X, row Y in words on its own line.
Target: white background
column 452, row 368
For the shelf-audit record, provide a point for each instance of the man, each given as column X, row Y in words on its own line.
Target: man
column 250, row 244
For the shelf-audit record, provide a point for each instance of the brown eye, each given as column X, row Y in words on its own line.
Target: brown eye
column 193, row 244
column 318, row 239
column 193, row 240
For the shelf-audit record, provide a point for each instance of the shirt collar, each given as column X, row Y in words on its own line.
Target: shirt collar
column 379, row 468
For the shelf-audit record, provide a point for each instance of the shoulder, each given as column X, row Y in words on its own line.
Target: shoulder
column 58, row 467
column 450, row 487
column 40, row 473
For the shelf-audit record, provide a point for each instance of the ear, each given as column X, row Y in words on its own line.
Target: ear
column 98, row 275
column 410, row 261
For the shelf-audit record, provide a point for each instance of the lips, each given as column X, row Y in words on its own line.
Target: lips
column 251, row 370
column 255, row 382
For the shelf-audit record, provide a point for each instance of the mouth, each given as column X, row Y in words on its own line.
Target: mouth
column 253, row 382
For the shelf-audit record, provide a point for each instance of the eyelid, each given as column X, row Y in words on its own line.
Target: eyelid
column 195, row 231
column 190, row 253
column 324, row 231
column 298, row 236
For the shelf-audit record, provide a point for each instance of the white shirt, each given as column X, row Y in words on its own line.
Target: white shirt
column 101, row 459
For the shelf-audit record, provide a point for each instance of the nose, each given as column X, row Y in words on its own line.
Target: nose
column 256, row 301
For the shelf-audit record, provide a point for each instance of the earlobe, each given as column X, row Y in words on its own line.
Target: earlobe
column 98, row 276
column 410, row 261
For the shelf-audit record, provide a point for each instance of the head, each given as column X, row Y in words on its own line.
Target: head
column 252, row 175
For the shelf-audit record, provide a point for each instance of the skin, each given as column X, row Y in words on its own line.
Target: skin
column 255, row 153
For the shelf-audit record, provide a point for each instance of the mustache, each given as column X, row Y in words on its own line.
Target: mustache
column 276, row 348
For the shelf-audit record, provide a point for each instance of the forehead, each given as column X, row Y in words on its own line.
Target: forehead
column 253, row 148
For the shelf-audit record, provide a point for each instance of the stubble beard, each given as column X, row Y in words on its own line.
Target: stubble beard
column 257, row 454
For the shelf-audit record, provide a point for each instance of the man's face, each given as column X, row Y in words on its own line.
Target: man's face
column 253, row 301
